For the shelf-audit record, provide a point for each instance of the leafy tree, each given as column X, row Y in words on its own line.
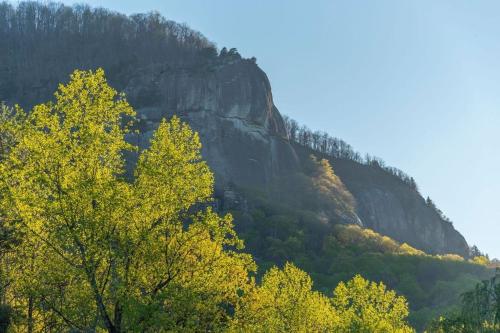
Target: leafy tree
column 480, row 311
column 10, row 126
column 330, row 189
column 481, row 260
column 285, row 302
column 101, row 252
column 369, row 307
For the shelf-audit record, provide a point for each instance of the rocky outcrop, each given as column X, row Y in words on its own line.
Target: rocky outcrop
column 408, row 219
column 390, row 207
column 231, row 107
column 166, row 69
column 230, row 104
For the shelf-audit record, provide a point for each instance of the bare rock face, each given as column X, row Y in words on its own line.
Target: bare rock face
column 231, row 107
column 391, row 208
column 408, row 219
column 165, row 69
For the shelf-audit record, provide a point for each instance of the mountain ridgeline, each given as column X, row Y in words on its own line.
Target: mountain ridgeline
column 165, row 68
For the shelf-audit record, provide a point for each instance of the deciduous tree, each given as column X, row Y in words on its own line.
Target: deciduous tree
column 99, row 251
column 368, row 307
column 285, row 302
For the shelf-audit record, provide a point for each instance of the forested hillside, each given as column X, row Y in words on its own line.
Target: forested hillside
column 43, row 43
column 296, row 195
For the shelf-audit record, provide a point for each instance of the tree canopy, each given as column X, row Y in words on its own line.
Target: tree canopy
column 98, row 250
column 285, row 302
column 68, row 37
column 368, row 307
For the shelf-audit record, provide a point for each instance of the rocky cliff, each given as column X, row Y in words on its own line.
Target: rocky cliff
column 245, row 144
column 390, row 207
column 231, row 107
column 166, row 69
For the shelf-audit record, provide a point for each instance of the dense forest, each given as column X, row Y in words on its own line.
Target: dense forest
column 64, row 38
column 283, row 226
column 479, row 311
column 275, row 233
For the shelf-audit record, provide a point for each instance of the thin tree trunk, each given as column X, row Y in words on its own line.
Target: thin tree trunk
column 30, row 314
column 100, row 304
column 30, row 299
column 118, row 317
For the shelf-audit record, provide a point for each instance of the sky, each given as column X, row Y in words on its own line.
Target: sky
column 416, row 83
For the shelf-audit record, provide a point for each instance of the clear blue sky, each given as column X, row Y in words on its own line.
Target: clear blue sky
column 414, row 82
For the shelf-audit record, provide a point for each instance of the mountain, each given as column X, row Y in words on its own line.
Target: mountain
column 164, row 69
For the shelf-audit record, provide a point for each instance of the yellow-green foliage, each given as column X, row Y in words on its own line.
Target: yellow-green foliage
column 370, row 240
column 481, row 260
column 367, row 307
column 97, row 246
column 331, row 189
column 450, row 256
column 407, row 249
column 285, row 302
column 11, row 125
column 353, row 234
column 98, row 252
column 373, row 241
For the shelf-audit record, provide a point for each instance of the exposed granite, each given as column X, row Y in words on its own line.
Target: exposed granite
column 230, row 104
column 231, row 107
column 390, row 207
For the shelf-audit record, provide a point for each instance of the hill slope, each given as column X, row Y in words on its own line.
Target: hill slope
column 165, row 69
